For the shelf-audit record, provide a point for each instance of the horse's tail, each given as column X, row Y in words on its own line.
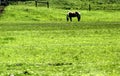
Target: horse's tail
column 67, row 17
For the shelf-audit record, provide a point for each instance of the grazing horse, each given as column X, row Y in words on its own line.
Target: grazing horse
column 73, row 14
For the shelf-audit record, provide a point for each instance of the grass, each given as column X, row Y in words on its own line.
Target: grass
column 18, row 13
column 63, row 49
column 35, row 43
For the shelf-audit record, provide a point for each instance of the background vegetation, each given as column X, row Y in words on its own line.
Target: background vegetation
column 83, row 4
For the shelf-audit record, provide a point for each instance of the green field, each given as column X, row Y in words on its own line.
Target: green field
column 37, row 41
column 24, row 13
column 60, row 49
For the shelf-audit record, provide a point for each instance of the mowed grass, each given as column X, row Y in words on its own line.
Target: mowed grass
column 60, row 49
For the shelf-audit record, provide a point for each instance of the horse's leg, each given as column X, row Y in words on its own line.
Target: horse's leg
column 71, row 19
column 67, row 17
column 79, row 17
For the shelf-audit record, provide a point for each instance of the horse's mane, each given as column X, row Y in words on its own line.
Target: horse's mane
column 74, row 12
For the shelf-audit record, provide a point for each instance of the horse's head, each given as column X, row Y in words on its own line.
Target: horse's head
column 77, row 13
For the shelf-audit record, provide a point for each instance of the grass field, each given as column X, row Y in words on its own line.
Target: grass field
column 39, row 42
column 60, row 49
column 17, row 13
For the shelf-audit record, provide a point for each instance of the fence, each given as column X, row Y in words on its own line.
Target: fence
column 81, row 6
column 36, row 3
column 92, row 7
column 44, row 2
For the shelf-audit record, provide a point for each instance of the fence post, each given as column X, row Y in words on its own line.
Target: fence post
column 89, row 7
column 35, row 3
column 47, row 4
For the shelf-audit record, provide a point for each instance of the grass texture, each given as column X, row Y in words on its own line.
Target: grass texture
column 60, row 49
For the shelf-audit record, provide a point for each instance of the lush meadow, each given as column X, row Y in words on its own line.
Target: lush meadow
column 39, row 42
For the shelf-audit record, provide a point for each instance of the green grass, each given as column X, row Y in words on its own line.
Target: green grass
column 35, row 43
column 60, row 49
column 22, row 13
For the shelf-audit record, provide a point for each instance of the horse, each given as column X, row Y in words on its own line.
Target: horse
column 73, row 14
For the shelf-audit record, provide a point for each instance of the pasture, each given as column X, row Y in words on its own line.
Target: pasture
column 60, row 49
column 18, row 13
column 39, row 42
